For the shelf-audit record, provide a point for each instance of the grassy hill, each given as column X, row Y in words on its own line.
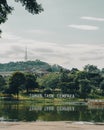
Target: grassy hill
column 36, row 65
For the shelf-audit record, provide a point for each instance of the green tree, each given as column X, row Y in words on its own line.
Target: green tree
column 102, row 86
column 78, row 76
column 15, row 82
column 74, row 70
column 67, row 82
column 91, row 69
column 81, row 75
column 30, row 82
column 63, row 76
column 2, row 83
column 85, row 88
column 50, row 81
column 64, row 86
column 31, row 5
column 94, row 75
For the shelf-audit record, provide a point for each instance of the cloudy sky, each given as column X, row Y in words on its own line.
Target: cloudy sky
column 69, row 33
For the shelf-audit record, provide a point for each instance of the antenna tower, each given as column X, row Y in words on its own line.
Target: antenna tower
column 26, row 54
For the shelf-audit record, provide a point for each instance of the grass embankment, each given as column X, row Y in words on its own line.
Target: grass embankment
column 42, row 100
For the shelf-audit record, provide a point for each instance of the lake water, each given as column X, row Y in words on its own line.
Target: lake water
column 30, row 111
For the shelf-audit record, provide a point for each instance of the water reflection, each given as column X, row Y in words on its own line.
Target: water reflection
column 15, row 111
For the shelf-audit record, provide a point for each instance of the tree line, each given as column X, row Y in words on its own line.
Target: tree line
column 35, row 65
column 86, row 83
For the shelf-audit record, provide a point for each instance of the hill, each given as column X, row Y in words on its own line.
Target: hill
column 34, row 66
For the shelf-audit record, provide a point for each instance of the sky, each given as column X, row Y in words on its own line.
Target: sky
column 69, row 33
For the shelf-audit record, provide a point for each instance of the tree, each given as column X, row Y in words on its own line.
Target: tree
column 30, row 82
column 74, row 70
column 91, row 69
column 64, row 76
column 85, row 88
column 102, row 86
column 15, row 82
column 50, row 81
column 82, row 83
column 2, row 83
column 30, row 5
column 93, row 74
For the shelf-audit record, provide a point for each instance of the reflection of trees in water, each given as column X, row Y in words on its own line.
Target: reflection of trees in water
column 22, row 112
column 98, row 115
column 18, row 112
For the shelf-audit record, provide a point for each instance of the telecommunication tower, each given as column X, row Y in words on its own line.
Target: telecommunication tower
column 26, row 54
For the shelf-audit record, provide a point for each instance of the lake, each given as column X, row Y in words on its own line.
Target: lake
column 31, row 111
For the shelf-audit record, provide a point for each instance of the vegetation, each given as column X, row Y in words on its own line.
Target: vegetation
column 15, row 83
column 30, row 82
column 2, row 83
column 30, row 5
column 31, row 66
column 86, row 83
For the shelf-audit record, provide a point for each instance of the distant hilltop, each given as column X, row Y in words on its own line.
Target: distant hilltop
column 33, row 66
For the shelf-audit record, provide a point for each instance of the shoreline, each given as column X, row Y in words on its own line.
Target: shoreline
column 51, row 125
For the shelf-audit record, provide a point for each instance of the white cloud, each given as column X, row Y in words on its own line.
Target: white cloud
column 10, row 36
column 67, row 55
column 93, row 18
column 84, row 27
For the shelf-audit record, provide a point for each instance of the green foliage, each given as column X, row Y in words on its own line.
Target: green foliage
column 15, row 83
column 30, row 5
column 47, row 91
column 64, row 86
column 5, row 9
column 74, row 70
column 30, row 82
column 83, row 84
column 91, row 69
column 20, row 82
column 102, row 86
column 34, row 66
column 94, row 75
column 85, row 88
column 2, row 83
column 67, row 83
column 50, row 80
column 64, row 76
